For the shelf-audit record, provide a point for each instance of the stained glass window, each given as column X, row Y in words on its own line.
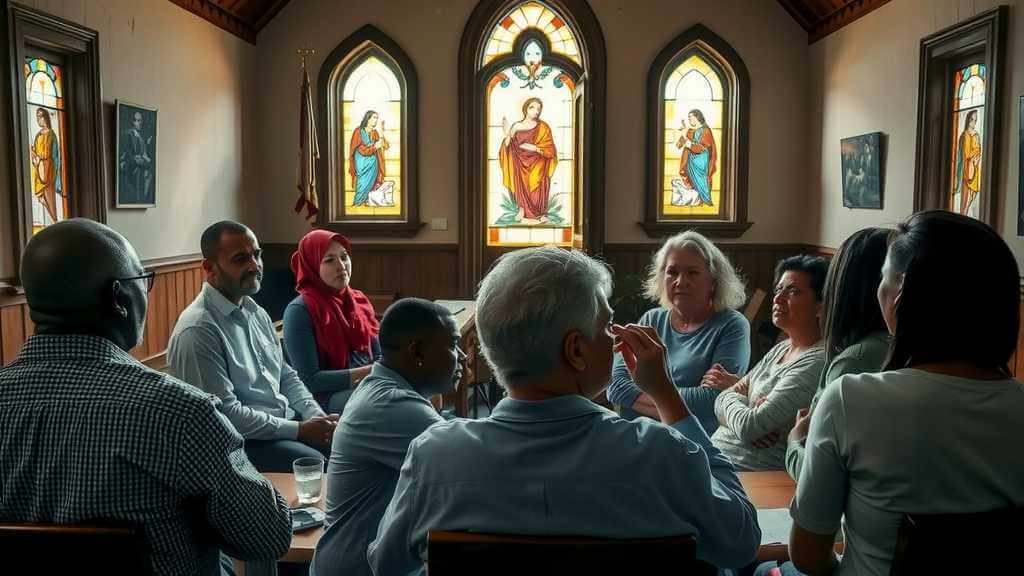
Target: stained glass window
column 48, row 169
column 532, row 15
column 372, row 117
column 693, row 108
column 968, row 123
column 531, row 196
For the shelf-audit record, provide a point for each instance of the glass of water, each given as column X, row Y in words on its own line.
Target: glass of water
column 309, row 473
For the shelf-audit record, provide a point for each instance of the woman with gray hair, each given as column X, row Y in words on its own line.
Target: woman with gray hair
column 697, row 289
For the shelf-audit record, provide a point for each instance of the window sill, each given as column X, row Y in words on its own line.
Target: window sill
column 710, row 229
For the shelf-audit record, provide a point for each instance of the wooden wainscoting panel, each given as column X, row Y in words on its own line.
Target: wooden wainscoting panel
column 12, row 331
column 420, row 270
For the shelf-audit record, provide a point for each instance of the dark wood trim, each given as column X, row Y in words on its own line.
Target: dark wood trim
column 733, row 166
column 842, row 17
column 579, row 15
column 225, row 20
column 269, row 14
column 818, row 28
column 30, row 30
column 358, row 246
column 984, row 34
column 362, row 43
column 795, row 247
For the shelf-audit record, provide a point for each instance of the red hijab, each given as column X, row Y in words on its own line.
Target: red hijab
column 342, row 321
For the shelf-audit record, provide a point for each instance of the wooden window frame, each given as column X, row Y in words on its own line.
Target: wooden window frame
column 331, row 170
column 736, row 131
column 31, row 31
column 472, row 129
column 985, row 35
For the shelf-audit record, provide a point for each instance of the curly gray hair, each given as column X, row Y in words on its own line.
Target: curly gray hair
column 729, row 290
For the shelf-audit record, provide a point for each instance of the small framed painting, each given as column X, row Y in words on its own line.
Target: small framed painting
column 136, row 156
column 862, row 171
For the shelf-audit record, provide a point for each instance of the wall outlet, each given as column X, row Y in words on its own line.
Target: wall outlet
column 439, row 224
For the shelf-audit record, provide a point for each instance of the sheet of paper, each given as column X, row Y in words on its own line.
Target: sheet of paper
column 453, row 306
column 775, row 524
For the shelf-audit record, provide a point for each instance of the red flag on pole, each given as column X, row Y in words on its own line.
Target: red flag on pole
column 309, row 152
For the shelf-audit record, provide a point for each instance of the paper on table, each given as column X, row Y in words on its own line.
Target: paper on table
column 453, row 306
column 775, row 524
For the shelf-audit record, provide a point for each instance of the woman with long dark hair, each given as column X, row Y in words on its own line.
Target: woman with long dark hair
column 853, row 329
column 939, row 430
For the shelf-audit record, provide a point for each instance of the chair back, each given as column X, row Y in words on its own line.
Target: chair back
column 76, row 548
column 977, row 543
column 465, row 553
column 754, row 305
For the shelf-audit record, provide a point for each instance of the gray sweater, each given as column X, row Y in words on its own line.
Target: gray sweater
column 787, row 387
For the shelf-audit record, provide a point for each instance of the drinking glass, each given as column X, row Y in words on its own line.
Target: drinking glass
column 309, row 472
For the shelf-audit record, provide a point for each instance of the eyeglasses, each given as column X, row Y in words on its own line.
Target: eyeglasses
column 149, row 277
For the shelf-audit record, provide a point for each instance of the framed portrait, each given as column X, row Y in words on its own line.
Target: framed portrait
column 862, row 170
column 136, row 156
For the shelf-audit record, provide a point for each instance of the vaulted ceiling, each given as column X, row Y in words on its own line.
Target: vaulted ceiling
column 245, row 18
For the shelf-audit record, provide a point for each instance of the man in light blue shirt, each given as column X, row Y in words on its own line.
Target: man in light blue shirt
column 421, row 357
column 550, row 461
column 224, row 343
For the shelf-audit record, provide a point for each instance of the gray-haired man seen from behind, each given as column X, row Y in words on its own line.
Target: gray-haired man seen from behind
column 549, row 460
column 90, row 435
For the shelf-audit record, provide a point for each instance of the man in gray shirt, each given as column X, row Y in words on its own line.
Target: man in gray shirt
column 421, row 357
column 224, row 343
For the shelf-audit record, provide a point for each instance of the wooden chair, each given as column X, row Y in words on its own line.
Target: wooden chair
column 56, row 549
column 465, row 554
column 754, row 305
column 978, row 543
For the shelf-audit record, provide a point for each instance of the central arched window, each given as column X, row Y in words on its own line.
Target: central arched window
column 531, row 147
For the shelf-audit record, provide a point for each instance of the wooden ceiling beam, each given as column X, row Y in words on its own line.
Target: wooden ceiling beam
column 821, row 18
column 219, row 17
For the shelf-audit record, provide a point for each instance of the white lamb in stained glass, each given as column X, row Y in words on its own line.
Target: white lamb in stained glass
column 384, row 195
column 683, row 196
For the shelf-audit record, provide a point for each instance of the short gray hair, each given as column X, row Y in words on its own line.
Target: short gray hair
column 729, row 290
column 529, row 301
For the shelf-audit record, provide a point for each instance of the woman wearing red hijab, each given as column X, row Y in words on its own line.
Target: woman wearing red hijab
column 330, row 329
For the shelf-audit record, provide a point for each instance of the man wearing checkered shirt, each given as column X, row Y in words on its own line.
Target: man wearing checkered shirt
column 90, row 435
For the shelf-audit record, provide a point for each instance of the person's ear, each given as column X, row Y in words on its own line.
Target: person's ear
column 119, row 299
column 415, row 350
column 574, row 349
column 207, row 265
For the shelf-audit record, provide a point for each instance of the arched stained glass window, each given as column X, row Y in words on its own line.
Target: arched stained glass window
column 371, row 106
column 698, row 94
column 968, row 122
column 532, row 104
column 44, row 96
column 537, row 16
column 367, row 88
column 530, row 149
column 693, row 139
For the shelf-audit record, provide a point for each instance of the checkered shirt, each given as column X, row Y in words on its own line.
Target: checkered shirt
column 89, row 434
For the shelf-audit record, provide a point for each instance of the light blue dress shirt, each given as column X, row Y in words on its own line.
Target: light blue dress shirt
column 232, row 352
column 566, row 466
column 382, row 417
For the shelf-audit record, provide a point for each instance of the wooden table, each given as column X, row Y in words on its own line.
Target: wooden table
column 769, row 490
column 303, row 543
column 765, row 489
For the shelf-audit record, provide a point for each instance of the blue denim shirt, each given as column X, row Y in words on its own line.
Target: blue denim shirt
column 566, row 466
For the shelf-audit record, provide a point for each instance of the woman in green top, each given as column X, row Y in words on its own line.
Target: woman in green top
column 853, row 329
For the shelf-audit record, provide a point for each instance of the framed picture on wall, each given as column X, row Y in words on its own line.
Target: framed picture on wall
column 1020, row 167
column 862, row 171
column 136, row 156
